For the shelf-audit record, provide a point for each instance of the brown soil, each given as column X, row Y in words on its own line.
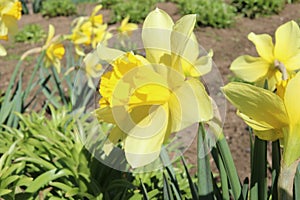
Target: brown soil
column 227, row 44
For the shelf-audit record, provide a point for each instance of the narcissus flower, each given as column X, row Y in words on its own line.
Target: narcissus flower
column 276, row 62
column 54, row 50
column 89, row 31
column 127, row 28
column 148, row 98
column 10, row 12
column 272, row 116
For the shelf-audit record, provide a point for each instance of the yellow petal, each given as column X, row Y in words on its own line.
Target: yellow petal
column 180, row 37
column 189, row 104
column 143, row 143
column 105, row 114
column 260, row 126
column 287, row 41
column 96, row 9
column 2, row 51
column 200, row 67
column 258, row 104
column 291, row 99
column 291, row 144
column 156, row 35
column 269, row 135
column 51, row 33
column 108, row 54
column 264, row 46
column 11, row 25
column 249, row 68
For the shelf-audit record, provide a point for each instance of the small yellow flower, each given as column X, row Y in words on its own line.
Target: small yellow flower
column 10, row 12
column 92, row 68
column 127, row 28
column 54, row 50
column 89, row 31
column 276, row 62
column 148, row 98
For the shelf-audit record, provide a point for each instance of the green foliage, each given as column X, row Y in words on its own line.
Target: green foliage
column 32, row 33
column 45, row 157
column 215, row 13
column 255, row 8
column 54, row 8
column 136, row 9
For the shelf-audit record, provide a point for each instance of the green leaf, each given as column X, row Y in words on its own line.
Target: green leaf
column 45, row 178
column 205, row 185
column 191, row 184
column 4, row 192
column 258, row 185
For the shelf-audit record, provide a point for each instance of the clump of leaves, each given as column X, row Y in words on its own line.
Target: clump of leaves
column 54, row 8
column 45, row 157
column 31, row 33
column 215, row 13
column 256, row 8
column 136, row 9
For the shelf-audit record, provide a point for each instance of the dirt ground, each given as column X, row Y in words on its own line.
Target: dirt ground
column 227, row 44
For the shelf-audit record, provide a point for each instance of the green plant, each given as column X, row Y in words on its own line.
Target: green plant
column 255, row 8
column 54, row 8
column 46, row 157
column 32, row 33
column 136, row 9
column 215, row 13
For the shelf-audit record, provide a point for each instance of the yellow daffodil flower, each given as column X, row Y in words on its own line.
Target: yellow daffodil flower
column 10, row 12
column 276, row 62
column 88, row 31
column 150, row 98
column 92, row 68
column 272, row 116
column 54, row 50
column 126, row 28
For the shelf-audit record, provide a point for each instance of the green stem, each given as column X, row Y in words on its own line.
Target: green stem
column 205, row 186
column 230, row 167
column 286, row 180
column 58, row 85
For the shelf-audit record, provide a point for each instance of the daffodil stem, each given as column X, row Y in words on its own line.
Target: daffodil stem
column 205, row 186
column 286, row 180
column 58, row 85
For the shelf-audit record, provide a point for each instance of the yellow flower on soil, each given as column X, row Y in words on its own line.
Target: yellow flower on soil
column 276, row 62
column 149, row 98
column 89, row 31
column 54, row 50
column 272, row 116
column 127, row 28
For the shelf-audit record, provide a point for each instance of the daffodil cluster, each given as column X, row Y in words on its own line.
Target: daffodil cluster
column 148, row 98
column 89, row 31
column 10, row 13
